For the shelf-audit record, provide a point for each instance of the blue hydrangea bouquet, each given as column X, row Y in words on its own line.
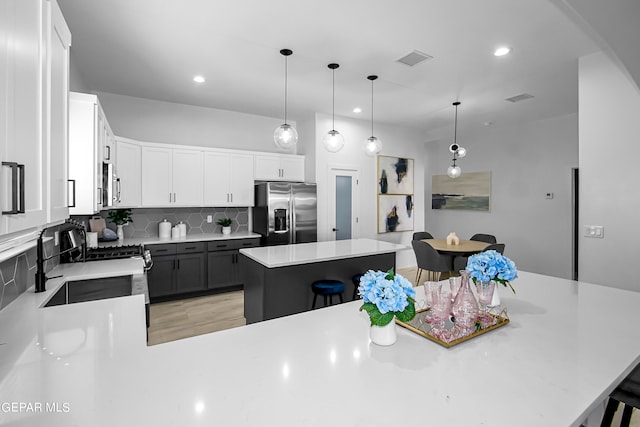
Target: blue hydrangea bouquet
column 387, row 295
column 492, row 265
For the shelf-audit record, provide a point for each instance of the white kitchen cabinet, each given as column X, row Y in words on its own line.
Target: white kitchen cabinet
column 279, row 167
column 59, row 43
column 128, row 157
column 228, row 179
column 88, row 131
column 34, row 73
column 171, row 177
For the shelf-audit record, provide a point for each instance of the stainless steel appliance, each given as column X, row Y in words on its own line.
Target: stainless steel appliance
column 110, row 185
column 285, row 213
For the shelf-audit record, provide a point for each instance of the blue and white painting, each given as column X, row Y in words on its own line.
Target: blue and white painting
column 395, row 175
column 395, row 213
column 470, row 191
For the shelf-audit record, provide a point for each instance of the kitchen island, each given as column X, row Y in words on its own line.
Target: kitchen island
column 277, row 279
column 567, row 346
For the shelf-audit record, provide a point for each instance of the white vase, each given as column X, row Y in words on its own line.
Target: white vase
column 495, row 300
column 120, row 232
column 226, row 230
column 383, row 335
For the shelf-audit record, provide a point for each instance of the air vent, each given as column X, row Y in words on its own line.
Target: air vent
column 518, row 98
column 414, row 58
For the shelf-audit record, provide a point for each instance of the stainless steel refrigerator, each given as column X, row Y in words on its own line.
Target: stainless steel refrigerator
column 285, row 213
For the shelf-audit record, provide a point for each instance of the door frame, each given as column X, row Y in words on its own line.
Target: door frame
column 343, row 170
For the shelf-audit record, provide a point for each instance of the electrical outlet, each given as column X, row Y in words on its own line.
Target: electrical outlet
column 56, row 238
column 548, row 195
column 209, row 219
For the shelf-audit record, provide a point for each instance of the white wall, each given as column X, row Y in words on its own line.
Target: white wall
column 609, row 152
column 526, row 162
column 157, row 121
column 396, row 141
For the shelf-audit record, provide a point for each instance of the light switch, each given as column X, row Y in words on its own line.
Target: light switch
column 596, row 231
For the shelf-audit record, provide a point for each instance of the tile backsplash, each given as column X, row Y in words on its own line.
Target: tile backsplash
column 145, row 220
column 17, row 274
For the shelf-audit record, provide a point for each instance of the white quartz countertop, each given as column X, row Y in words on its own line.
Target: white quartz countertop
column 155, row 240
column 567, row 345
column 305, row 253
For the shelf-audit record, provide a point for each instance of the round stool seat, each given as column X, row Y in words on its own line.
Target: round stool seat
column 327, row 288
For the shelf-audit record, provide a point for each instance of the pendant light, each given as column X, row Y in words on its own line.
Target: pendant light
column 285, row 135
column 372, row 145
column 333, row 141
column 454, row 170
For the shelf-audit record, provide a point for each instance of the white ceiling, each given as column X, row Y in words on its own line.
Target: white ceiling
column 152, row 49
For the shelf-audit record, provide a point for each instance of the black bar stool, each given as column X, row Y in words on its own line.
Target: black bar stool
column 628, row 393
column 356, row 282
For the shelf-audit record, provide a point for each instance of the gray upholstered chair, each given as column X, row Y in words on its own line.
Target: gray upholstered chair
column 628, row 393
column 460, row 262
column 427, row 258
column 421, row 235
column 487, row 238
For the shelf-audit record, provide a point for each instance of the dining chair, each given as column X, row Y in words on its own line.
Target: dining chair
column 421, row 235
column 487, row 238
column 431, row 260
column 460, row 262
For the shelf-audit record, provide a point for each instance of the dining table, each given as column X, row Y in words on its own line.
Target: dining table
column 465, row 247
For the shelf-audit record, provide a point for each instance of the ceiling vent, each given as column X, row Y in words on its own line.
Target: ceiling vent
column 414, row 58
column 518, row 98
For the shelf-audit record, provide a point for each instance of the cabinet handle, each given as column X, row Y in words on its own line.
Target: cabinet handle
column 178, row 261
column 73, row 193
column 107, row 154
column 190, row 247
column 169, row 197
column 17, row 188
column 162, row 250
column 99, row 202
column 174, row 197
column 221, row 246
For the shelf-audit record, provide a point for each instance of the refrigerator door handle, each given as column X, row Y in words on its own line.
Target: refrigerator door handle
column 292, row 219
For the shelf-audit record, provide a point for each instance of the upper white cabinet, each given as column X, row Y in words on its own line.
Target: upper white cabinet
column 34, row 76
column 279, row 167
column 88, row 133
column 128, row 157
column 171, row 177
column 228, row 180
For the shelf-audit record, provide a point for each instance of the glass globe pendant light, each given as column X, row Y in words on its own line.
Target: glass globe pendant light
column 372, row 145
column 285, row 136
column 333, row 141
column 454, row 170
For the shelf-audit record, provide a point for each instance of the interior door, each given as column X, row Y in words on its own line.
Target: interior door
column 343, row 196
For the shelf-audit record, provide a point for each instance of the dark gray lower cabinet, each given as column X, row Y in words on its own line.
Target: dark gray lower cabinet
column 183, row 268
column 178, row 268
column 223, row 261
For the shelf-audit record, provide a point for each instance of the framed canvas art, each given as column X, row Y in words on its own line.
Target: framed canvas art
column 395, row 175
column 470, row 191
column 395, row 213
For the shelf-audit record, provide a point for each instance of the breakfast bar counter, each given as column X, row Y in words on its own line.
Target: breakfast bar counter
column 567, row 346
column 277, row 279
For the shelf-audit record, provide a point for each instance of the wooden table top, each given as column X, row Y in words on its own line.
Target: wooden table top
column 465, row 246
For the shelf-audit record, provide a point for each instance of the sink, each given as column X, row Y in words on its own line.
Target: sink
column 75, row 291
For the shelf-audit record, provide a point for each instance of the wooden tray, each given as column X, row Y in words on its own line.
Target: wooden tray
column 422, row 328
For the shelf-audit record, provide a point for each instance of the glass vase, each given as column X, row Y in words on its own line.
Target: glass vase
column 465, row 307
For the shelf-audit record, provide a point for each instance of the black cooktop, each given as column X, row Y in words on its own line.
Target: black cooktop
column 114, row 252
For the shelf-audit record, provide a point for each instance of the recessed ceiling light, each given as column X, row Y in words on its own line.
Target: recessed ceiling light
column 357, row 110
column 502, row 51
column 198, row 79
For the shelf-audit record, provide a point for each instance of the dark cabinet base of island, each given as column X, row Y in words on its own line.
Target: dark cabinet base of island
column 280, row 291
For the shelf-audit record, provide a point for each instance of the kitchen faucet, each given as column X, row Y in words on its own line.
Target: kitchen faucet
column 41, row 277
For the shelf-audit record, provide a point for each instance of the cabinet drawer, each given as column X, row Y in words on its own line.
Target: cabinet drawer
column 225, row 245
column 188, row 248
column 159, row 250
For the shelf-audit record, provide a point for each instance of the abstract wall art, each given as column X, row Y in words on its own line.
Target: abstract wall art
column 395, row 194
